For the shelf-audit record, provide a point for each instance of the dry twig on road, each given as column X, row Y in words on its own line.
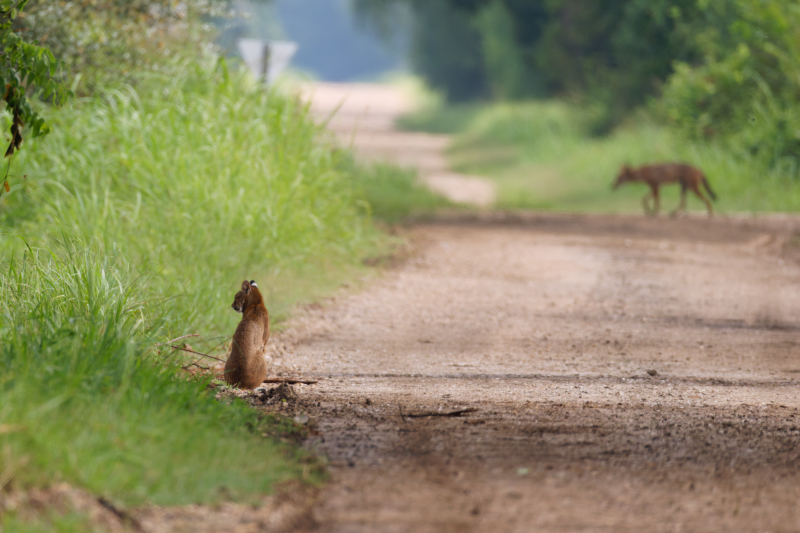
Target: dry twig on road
column 440, row 413
column 194, row 364
column 198, row 353
column 290, row 381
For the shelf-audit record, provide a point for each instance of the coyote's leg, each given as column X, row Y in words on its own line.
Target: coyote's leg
column 698, row 192
column 656, row 200
column 681, row 206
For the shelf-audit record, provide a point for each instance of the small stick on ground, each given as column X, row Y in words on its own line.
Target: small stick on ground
column 198, row 353
column 441, row 413
column 402, row 418
column 194, row 364
column 123, row 515
column 290, row 381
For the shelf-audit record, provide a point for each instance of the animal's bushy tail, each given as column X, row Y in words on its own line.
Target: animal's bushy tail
column 708, row 188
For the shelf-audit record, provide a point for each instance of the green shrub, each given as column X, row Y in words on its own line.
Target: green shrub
column 745, row 92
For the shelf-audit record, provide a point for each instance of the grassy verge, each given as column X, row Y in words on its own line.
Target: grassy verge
column 199, row 181
column 394, row 193
column 139, row 218
column 84, row 400
column 540, row 156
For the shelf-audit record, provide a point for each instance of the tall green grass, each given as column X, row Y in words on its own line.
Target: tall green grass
column 82, row 398
column 200, row 181
column 541, row 156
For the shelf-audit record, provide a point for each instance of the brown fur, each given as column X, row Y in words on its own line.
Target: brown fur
column 654, row 176
column 246, row 366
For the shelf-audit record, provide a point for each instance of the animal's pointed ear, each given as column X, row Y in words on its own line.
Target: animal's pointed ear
column 245, row 287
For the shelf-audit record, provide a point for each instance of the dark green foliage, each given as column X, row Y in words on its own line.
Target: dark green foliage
column 109, row 41
column 727, row 69
column 446, row 51
column 24, row 67
column 746, row 89
column 615, row 52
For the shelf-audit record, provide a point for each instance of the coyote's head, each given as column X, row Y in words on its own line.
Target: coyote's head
column 626, row 174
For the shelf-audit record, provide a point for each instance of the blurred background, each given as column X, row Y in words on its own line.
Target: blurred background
column 711, row 83
column 548, row 99
column 334, row 44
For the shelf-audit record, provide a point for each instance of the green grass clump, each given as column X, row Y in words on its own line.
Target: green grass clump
column 83, row 400
column 541, row 155
column 394, row 193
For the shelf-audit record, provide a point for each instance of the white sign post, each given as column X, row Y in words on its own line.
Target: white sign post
column 266, row 59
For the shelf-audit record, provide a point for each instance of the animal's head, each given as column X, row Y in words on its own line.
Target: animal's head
column 625, row 175
column 241, row 298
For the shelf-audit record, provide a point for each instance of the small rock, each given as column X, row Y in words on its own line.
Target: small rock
column 652, row 372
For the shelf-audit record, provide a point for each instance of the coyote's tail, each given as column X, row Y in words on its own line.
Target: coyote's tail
column 708, row 188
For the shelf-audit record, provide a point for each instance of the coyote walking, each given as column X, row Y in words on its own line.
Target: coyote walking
column 656, row 175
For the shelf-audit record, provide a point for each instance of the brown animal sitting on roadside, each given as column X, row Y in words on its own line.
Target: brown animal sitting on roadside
column 246, row 366
column 688, row 176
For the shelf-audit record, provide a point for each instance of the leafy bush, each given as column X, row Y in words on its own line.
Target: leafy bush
column 102, row 42
column 746, row 89
column 24, row 67
column 529, row 123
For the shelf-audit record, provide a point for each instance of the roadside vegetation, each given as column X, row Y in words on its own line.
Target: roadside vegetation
column 133, row 222
column 541, row 156
column 551, row 98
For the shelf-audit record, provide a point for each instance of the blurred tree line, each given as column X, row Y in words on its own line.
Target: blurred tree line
column 715, row 68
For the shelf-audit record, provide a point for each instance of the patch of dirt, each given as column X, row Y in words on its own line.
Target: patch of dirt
column 629, row 374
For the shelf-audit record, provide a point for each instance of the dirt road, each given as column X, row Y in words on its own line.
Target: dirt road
column 362, row 116
column 629, row 374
